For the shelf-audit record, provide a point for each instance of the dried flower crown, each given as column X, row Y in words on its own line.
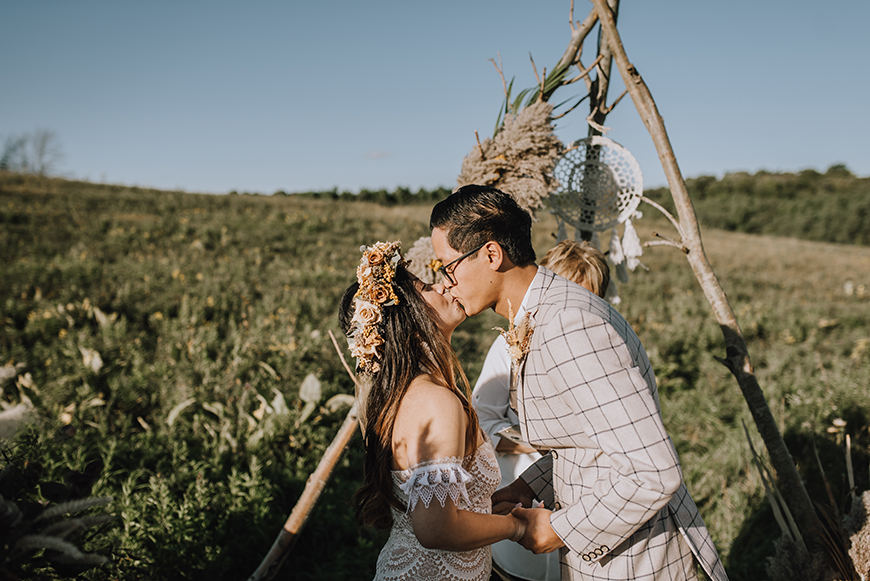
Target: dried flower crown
column 375, row 274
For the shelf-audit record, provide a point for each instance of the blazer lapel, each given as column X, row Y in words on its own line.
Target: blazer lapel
column 516, row 384
column 539, row 285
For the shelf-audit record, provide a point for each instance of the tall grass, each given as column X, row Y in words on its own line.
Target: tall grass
column 208, row 312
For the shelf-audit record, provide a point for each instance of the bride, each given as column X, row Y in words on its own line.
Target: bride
column 429, row 469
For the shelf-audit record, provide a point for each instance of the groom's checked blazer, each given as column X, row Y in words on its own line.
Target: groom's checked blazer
column 588, row 393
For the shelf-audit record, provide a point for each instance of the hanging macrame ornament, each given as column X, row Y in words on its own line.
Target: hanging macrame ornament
column 631, row 246
column 616, row 256
column 600, row 185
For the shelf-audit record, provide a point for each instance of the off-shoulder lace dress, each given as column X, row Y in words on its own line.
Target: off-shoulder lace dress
column 468, row 482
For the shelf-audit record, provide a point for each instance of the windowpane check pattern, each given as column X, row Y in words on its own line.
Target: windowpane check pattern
column 613, row 478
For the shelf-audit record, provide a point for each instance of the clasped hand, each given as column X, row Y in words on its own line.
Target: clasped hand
column 516, row 499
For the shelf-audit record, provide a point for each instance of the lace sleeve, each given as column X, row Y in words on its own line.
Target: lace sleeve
column 439, row 478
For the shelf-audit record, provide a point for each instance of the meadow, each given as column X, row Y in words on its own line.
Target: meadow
column 164, row 336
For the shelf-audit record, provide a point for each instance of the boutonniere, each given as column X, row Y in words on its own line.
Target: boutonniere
column 518, row 337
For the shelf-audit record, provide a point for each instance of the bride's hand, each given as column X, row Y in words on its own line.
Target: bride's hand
column 520, row 530
column 505, row 499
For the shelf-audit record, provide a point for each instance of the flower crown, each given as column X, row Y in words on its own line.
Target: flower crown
column 375, row 274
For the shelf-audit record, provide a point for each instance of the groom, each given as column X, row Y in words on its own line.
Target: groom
column 616, row 505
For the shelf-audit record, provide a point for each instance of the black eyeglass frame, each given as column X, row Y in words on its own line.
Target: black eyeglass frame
column 454, row 263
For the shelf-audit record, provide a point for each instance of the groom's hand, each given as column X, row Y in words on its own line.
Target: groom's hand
column 507, row 498
column 540, row 536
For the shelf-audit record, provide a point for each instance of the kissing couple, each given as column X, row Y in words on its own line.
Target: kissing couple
column 607, row 493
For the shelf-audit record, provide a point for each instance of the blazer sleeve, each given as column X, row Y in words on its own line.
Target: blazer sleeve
column 595, row 375
column 539, row 477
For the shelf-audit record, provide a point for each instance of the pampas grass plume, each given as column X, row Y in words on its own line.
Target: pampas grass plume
column 519, row 160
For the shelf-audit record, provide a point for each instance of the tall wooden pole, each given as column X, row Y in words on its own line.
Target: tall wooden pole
column 271, row 563
column 598, row 95
column 276, row 556
column 737, row 356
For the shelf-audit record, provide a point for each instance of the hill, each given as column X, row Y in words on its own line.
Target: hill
column 827, row 207
column 208, row 312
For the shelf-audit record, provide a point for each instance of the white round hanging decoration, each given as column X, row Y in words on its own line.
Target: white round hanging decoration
column 600, row 185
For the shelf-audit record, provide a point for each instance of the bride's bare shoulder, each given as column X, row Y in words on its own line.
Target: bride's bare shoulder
column 430, row 424
column 427, row 389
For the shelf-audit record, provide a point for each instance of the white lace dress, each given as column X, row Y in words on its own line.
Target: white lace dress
column 468, row 482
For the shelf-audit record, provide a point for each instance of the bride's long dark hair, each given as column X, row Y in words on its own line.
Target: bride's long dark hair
column 413, row 344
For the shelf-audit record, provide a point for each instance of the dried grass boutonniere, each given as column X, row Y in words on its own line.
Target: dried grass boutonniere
column 518, row 337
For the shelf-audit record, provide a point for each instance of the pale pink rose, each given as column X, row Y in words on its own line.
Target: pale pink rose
column 366, row 314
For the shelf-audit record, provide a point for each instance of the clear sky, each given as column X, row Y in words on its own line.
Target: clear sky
column 312, row 95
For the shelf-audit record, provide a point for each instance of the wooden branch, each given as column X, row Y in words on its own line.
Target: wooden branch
column 574, row 106
column 584, row 72
column 534, row 68
column 578, row 35
column 501, row 74
column 740, row 364
column 343, row 360
column 615, row 103
column 600, row 129
column 601, row 70
column 598, row 107
column 663, row 211
column 665, row 241
column 271, row 563
column 359, row 390
column 571, row 147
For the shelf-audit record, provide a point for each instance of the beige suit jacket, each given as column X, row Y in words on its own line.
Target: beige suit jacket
column 613, row 480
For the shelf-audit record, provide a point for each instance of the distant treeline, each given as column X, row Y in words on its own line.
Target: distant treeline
column 398, row 196
column 828, row 207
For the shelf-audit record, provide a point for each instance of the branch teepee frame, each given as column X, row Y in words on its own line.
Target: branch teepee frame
column 737, row 358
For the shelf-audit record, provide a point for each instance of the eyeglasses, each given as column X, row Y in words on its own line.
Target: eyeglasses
column 448, row 274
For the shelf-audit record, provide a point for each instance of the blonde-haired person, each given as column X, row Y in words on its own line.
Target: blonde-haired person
column 587, row 266
column 580, row 262
column 429, row 469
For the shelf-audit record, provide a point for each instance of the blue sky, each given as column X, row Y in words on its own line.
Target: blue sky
column 261, row 96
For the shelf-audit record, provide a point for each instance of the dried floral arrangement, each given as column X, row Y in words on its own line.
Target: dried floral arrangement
column 422, row 261
column 520, row 158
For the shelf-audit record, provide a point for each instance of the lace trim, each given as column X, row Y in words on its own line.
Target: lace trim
column 439, row 478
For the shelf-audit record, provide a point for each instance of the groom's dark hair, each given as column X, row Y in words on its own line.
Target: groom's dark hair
column 474, row 215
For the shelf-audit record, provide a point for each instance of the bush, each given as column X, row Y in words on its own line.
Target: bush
column 829, row 207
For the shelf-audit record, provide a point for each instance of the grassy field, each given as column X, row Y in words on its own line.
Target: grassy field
column 207, row 313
